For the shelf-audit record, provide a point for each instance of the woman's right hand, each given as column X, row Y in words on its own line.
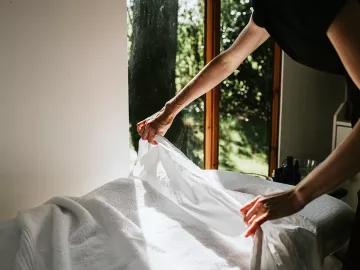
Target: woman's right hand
column 158, row 123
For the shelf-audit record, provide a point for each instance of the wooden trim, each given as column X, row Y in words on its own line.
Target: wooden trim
column 212, row 98
column 275, row 110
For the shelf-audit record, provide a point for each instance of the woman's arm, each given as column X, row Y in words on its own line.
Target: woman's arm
column 211, row 75
column 220, row 67
column 344, row 162
column 344, row 34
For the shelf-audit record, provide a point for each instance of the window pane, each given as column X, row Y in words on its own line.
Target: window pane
column 246, row 99
column 166, row 49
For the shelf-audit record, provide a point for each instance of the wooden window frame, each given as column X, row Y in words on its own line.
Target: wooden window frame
column 212, row 98
column 275, row 117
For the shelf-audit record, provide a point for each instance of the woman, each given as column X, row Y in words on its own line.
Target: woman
column 321, row 34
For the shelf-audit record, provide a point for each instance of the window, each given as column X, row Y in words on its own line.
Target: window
column 245, row 108
column 166, row 49
column 169, row 43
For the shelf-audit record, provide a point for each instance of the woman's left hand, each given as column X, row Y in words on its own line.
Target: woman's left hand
column 270, row 207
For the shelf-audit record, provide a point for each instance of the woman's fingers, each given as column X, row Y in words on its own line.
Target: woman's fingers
column 151, row 136
column 145, row 133
column 140, row 125
column 253, row 211
column 141, row 131
column 158, row 123
column 256, row 224
column 252, row 219
column 269, row 207
column 248, row 206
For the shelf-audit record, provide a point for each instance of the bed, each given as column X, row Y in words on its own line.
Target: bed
column 146, row 222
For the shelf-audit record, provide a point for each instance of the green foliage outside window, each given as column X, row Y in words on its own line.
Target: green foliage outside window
column 166, row 50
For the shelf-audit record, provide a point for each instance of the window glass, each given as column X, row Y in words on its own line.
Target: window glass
column 166, row 49
column 246, row 99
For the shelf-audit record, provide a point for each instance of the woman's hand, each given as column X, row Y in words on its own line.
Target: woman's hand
column 270, row 207
column 158, row 123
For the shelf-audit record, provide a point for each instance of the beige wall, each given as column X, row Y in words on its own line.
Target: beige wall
column 309, row 101
column 63, row 99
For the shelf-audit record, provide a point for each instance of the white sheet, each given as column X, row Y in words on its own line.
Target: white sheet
column 167, row 216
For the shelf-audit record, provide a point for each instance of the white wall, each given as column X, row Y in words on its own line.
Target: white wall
column 309, row 100
column 63, row 99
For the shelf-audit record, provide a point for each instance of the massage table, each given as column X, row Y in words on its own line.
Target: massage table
column 332, row 217
column 169, row 210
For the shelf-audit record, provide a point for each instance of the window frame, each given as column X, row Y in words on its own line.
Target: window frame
column 212, row 98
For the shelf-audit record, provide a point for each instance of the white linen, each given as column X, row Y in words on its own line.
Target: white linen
column 167, row 215
column 9, row 243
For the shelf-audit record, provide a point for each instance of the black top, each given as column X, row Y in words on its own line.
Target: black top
column 299, row 27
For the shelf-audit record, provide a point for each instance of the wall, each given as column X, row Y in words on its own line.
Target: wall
column 63, row 99
column 309, row 100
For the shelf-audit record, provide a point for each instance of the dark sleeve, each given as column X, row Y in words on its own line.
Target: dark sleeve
column 326, row 12
column 258, row 20
column 257, row 15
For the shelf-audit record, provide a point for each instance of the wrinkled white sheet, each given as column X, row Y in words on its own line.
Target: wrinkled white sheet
column 167, row 215
column 283, row 243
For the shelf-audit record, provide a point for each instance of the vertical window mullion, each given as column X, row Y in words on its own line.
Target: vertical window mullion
column 212, row 98
column 275, row 110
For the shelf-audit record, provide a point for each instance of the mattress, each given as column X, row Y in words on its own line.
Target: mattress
column 332, row 217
